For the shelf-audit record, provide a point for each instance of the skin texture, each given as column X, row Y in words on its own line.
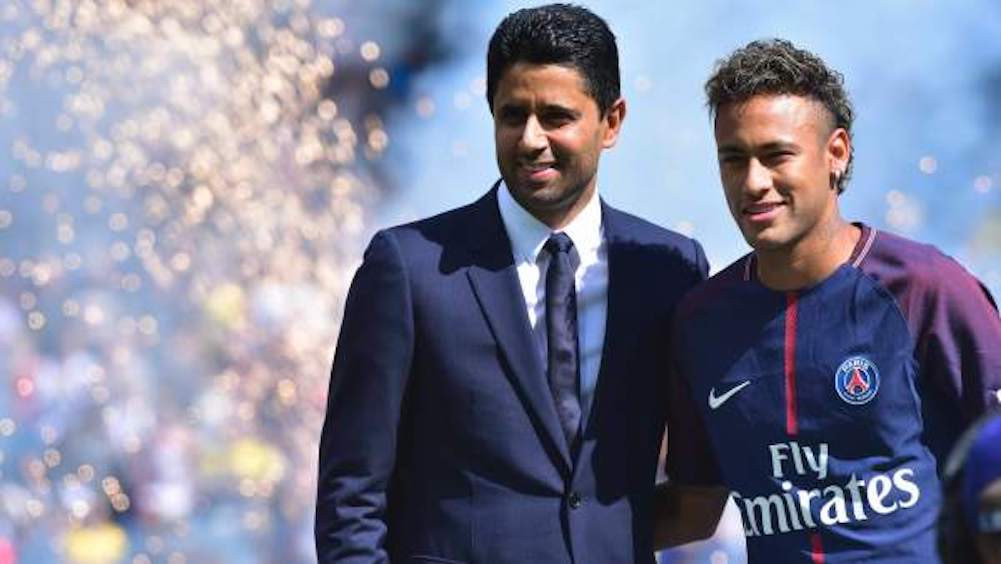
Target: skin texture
column 779, row 156
column 685, row 514
column 549, row 135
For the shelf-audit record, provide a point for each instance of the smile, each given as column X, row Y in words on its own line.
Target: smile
column 539, row 172
column 762, row 212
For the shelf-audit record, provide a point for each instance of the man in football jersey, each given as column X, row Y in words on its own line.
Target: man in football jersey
column 833, row 366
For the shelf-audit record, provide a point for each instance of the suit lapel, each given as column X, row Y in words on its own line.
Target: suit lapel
column 494, row 279
column 622, row 301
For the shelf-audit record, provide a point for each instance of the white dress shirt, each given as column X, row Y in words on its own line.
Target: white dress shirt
column 590, row 259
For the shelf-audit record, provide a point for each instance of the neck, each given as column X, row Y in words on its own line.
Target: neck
column 557, row 219
column 809, row 261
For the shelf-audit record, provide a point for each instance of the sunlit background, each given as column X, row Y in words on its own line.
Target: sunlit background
column 187, row 186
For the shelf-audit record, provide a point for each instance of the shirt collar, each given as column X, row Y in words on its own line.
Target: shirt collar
column 527, row 234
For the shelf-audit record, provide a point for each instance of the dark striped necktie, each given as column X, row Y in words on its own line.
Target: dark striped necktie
column 561, row 335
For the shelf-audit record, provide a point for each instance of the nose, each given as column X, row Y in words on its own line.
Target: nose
column 758, row 179
column 533, row 135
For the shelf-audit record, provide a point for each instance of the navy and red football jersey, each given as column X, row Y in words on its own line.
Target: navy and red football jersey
column 829, row 410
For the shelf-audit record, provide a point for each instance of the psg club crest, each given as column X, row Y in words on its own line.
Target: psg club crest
column 857, row 380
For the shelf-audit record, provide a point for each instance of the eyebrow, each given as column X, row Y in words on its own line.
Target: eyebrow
column 516, row 107
column 733, row 148
column 560, row 108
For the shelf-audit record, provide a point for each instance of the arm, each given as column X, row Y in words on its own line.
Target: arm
column 689, row 505
column 957, row 348
column 959, row 345
column 367, row 386
column 684, row 513
column 701, row 263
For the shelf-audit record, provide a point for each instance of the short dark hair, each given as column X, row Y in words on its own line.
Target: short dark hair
column 561, row 34
column 776, row 66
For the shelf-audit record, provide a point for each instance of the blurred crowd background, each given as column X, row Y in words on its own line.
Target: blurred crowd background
column 186, row 188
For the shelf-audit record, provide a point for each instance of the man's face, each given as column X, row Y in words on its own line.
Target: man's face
column 549, row 134
column 777, row 155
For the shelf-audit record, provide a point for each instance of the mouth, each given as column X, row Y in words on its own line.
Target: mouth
column 761, row 212
column 539, row 172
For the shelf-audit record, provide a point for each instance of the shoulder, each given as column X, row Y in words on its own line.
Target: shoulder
column 669, row 262
column 905, row 267
column 435, row 230
column 428, row 247
column 447, row 237
column 631, row 227
column 891, row 258
column 713, row 291
column 656, row 244
column 920, row 277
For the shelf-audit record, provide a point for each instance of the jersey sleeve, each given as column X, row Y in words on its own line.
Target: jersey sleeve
column 956, row 330
column 690, row 456
column 959, row 339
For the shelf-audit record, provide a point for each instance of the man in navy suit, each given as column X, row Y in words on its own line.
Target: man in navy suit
column 498, row 390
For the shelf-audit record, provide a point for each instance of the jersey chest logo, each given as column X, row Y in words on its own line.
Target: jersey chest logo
column 857, row 380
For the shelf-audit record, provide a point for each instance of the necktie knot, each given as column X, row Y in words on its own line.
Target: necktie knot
column 558, row 243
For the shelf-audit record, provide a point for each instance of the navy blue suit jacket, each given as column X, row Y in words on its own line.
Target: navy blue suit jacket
column 441, row 441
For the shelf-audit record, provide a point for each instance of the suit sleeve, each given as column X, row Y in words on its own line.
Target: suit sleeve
column 701, row 263
column 367, row 385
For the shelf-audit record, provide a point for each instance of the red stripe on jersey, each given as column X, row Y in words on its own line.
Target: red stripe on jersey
column 816, row 549
column 792, row 425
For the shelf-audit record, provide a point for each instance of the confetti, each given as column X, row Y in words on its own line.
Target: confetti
column 176, row 226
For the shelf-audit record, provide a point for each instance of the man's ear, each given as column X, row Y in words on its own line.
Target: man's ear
column 613, row 122
column 839, row 150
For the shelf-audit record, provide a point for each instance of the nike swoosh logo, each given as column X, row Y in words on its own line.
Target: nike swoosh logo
column 716, row 401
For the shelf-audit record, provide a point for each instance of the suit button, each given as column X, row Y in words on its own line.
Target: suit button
column 574, row 500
